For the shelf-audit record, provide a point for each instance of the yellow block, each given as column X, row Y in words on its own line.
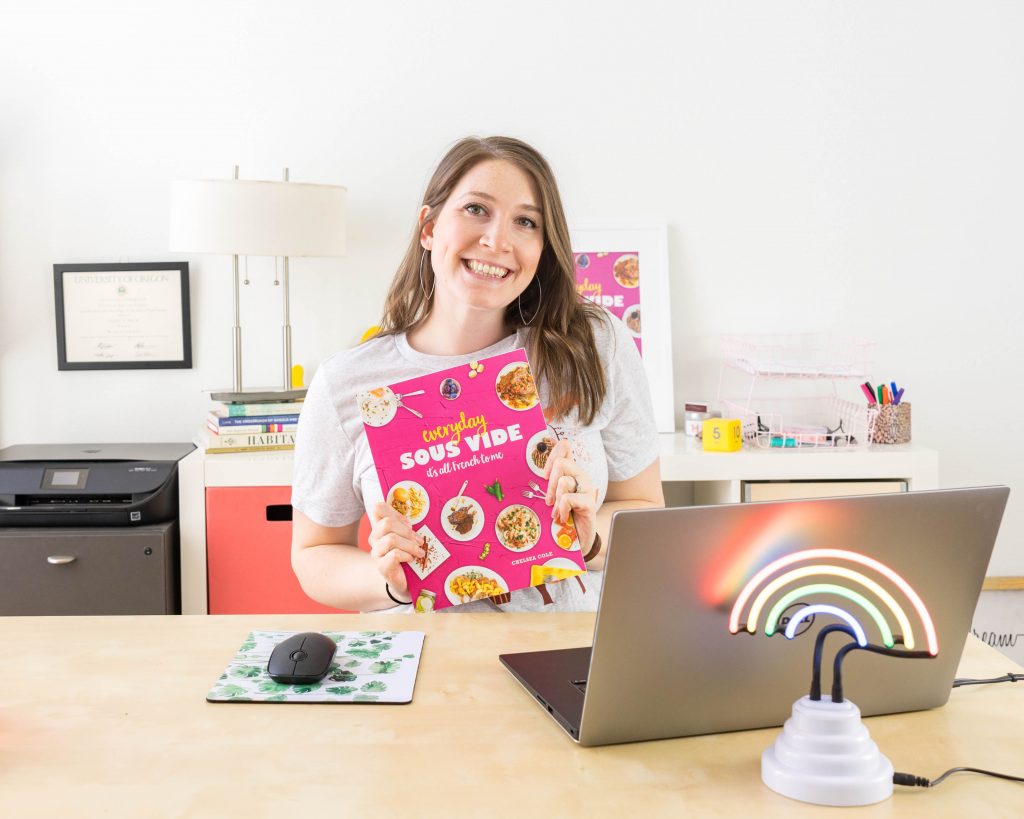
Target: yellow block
column 723, row 435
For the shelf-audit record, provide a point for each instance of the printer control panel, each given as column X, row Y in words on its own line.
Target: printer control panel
column 65, row 478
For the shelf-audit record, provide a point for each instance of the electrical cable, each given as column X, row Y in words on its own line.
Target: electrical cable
column 1007, row 677
column 898, row 777
column 837, row 672
column 819, row 647
column 913, row 780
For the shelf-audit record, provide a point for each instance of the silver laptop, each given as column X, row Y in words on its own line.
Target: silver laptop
column 665, row 662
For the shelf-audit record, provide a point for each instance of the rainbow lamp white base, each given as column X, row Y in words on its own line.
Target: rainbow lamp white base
column 825, row 756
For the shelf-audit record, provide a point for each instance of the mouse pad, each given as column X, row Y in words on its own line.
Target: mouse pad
column 370, row 666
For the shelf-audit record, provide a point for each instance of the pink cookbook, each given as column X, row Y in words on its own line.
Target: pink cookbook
column 461, row 453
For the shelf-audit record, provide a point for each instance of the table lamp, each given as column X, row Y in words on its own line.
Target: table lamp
column 258, row 218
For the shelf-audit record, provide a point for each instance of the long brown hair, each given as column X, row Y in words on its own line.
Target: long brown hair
column 561, row 342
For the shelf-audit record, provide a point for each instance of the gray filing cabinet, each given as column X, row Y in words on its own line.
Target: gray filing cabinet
column 75, row 571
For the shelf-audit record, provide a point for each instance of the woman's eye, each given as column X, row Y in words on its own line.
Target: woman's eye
column 476, row 210
column 527, row 222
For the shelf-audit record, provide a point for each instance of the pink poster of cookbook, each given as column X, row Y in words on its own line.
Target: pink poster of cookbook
column 612, row 280
column 461, row 453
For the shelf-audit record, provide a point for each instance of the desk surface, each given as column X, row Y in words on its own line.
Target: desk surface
column 106, row 716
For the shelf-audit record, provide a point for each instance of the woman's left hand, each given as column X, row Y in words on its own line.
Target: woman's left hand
column 571, row 491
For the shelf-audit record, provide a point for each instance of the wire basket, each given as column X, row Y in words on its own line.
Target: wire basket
column 817, row 422
column 798, row 355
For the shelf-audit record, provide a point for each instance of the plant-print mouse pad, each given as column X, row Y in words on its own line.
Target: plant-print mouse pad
column 370, row 666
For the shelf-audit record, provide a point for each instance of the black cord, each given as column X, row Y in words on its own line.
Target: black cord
column 837, row 672
column 913, row 780
column 819, row 647
column 1008, row 677
column 920, row 782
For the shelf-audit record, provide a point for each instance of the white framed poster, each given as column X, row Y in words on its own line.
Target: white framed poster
column 624, row 268
column 122, row 316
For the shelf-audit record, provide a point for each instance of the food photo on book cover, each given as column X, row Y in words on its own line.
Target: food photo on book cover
column 461, row 453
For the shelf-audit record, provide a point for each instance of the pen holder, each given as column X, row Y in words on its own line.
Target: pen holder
column 892, row 424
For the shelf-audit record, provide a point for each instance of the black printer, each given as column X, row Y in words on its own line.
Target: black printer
column 89, row 485
column 90, row 529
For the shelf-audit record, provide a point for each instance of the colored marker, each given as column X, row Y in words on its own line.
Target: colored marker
column 898, row 396
column 885, row 395
column 866, row 387
column 880, row 388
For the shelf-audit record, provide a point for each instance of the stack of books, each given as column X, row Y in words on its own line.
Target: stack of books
column 255, row 426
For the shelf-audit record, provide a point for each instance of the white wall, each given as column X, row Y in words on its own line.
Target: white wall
column 852, row 166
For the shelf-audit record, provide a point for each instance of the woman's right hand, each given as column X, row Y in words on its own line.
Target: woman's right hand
column 392, row 543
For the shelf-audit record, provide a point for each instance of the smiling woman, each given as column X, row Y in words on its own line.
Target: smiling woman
column 488, row 269
column 491, row 253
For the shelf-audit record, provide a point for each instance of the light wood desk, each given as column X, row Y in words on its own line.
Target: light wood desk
column 107, row 717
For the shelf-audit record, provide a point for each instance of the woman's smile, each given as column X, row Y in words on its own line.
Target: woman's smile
column 484, row 269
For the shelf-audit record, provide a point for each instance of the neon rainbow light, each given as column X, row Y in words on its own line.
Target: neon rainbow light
column 824, row 608
column 838, row 571
column 829, row 588
column 836, row 554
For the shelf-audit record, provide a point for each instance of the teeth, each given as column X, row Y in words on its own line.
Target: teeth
column 487, row 270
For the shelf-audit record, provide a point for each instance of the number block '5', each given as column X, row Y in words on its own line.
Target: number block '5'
column 723, row 435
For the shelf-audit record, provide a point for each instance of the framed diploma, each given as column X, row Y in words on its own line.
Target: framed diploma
column 122, row 316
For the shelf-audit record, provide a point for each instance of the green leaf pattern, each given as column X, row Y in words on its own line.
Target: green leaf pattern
column 246, row 671
column 362, row 659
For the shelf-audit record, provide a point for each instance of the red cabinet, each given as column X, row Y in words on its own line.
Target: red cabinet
column 248, row 552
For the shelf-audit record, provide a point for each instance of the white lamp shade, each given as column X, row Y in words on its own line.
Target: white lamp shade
column 257, row 218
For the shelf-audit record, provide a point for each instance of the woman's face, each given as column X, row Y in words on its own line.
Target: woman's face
column 487, row 239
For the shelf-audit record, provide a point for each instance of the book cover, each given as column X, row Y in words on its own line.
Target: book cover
column 215, row 444
column 461, row 453
column 260, row 408
column 612, row 280
column 222, row 420
column 251, row 439
column 247, row 429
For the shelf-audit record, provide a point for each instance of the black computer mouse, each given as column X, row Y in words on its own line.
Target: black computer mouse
column 301, row 658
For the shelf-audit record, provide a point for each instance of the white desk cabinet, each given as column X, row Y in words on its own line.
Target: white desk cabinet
column 690, row 476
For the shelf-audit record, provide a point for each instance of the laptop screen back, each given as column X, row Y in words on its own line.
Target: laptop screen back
column 665, row 663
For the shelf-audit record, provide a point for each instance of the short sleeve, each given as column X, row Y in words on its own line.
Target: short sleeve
column 322, row 480
column 630, row 437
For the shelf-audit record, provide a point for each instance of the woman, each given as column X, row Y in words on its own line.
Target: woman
column 489, row 269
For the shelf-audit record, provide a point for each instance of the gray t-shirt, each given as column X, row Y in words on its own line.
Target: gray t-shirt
column 335, row 482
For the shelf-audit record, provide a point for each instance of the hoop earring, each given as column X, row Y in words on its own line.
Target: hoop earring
column 519, row 301
column 426, row 295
